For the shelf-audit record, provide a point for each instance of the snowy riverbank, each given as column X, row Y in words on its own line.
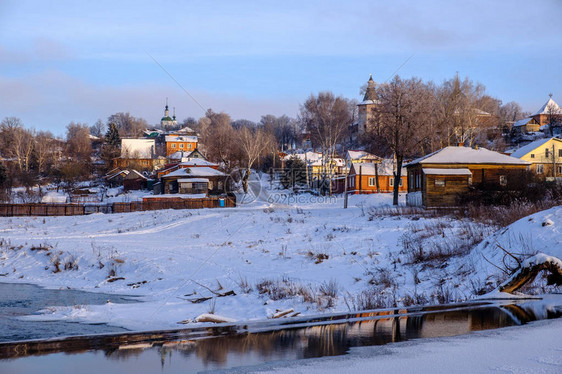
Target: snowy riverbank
column 309, row 255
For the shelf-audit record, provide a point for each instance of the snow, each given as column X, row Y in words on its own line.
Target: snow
column 533, row 348
column 200, row 171
column 386, row 167
column 529, row 147
column 430, row 171
column 292, row 241
column 137, row 148
column 54, row 197
column 181, row 138
column 466, row 155
column 549, row 107
column 522, row 122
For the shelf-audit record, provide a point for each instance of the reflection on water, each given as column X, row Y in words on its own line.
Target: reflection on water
column 18, row 300
column 233, row 346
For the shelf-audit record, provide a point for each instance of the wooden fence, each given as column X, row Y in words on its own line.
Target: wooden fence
column 40, row 209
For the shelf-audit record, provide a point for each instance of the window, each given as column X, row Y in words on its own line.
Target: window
column 372, row 182
column 181, row 145
column 189, row 147
column 411, row 184
column 546, row 152
column 540, row 168
column 391, row 181
column 400, row 184
column 173, row 145
column 532, row 155
column 560, row 153
column 503, row 180
column 559, row 169
column 440, row 183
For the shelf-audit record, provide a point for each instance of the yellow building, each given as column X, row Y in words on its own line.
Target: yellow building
column 545, row 156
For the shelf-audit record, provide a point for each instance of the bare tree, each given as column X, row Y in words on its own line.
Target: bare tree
column 98, row 129
column 128, row 125
column 459, row 110
column 78, row 141
column 44, row 150
column 219, row 139
column 327, row 118
column 405, row 112
column 254, row 143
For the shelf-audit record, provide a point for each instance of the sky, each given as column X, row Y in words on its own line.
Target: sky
column 63, row 61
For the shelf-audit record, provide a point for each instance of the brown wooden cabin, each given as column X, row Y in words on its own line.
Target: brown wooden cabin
column 438, row 179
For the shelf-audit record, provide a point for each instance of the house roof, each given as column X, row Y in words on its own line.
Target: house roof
column 434, row 171
column 195, row 172
column 386, row 167
column 181, row 138
column 522, row 122
column 518, row 153
column 196, row 162
column 361, row 155
column 549, row 107
column 133, row 173
column 466, row 155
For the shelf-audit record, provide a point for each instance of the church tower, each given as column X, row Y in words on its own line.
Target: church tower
column 167, row 122
column 367, row 108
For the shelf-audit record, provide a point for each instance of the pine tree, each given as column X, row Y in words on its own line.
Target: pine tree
column 110, row 149
column 112, row 137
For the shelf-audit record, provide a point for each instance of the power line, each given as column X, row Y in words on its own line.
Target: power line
column 178, row 83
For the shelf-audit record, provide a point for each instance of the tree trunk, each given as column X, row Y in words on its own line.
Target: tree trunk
column 245, row 180
column 530, row 268
column 397, row 177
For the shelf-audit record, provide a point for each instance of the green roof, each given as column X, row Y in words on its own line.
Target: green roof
column 166, row 119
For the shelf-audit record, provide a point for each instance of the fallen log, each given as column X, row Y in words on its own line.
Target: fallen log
column 530, row 268
column 213, row 318
column 283, row 313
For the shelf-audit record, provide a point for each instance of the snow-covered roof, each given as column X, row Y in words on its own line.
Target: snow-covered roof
column 386, row 167
column 433, row 171
column 466, row 155
column 193, row 180
column 522, row 122
column 195, row 172
column 181, row 138
column 367, row 102
column 361, row 155
column 530, row 147
column 137, row 148
column 185, row 130
column 136, row 173
column 186, row 161
column 549, row 107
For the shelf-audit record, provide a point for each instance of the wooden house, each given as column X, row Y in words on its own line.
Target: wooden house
column 548, row 117
column 365, row 178
column 545, row 156
column 186, row 143
column 178, row 180
column 134, row 180
column 437, row 180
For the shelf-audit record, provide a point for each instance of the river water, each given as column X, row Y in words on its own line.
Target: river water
column 243, row 347
column 18, row 300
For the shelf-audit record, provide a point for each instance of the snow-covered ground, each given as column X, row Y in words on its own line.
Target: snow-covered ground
column 282, row 251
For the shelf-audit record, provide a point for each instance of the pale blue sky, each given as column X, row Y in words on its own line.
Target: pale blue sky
column 63, row 61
